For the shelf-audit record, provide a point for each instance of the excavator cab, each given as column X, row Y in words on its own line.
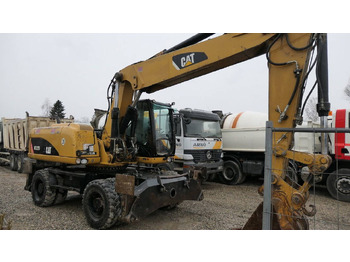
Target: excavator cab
column 154, row 129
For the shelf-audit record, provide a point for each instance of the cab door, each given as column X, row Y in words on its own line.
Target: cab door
column 179, row 151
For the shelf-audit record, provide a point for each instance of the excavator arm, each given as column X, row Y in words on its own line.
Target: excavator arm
column 288, row 57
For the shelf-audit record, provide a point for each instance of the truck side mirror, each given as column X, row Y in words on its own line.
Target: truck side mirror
column 344, row 150
column 187, row 121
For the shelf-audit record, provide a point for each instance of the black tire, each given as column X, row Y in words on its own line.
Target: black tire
column 20, row 163
column 232, row 173
column 101, row 204
column 338, row 184
column 13, row 162
column 42, row 193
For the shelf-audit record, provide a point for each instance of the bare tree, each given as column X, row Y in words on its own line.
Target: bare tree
column 46, row 108
column 310, row 110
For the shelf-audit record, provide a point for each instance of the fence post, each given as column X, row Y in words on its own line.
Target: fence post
column 267, row 206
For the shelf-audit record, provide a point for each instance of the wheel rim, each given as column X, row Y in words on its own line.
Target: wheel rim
column 230, row 173
column 343, row 185
column 39, row 189
column 96, row 205
column 12, row 161
column 19, row 163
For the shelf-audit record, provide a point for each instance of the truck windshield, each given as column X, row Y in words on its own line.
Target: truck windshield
column 202, row 128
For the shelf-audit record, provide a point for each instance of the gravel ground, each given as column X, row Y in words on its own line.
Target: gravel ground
column 224, row 207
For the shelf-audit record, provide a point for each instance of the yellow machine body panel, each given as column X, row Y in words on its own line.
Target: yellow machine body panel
column 65, row 143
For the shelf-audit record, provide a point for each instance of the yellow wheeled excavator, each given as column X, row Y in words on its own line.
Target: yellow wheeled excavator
column 121, row 168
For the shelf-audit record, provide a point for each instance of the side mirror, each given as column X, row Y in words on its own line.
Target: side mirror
column 187, row 121
column 344, row 150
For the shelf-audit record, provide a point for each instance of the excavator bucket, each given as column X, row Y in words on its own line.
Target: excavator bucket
column 288, row 203
column 255, row 221
column 296, row 221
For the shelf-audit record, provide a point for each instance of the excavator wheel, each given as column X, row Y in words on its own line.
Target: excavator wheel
column 42, row 193
column 101, row 204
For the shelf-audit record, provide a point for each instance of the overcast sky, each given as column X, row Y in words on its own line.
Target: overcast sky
column 77, row 69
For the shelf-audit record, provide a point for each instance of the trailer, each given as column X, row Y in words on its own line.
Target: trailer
column 15, row 136
column 4, row 155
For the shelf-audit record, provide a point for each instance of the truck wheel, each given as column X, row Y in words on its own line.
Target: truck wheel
column 101, row 204
column 338, row 184
column 42, row 193
column 232, row 173
column 13, row 162
column 20, row 163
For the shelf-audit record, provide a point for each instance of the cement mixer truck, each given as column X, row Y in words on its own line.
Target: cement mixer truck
column 244, row 150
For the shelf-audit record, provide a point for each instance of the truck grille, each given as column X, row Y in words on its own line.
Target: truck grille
column 201, row 155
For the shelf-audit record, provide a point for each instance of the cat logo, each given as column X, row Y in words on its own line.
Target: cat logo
column 187, row 59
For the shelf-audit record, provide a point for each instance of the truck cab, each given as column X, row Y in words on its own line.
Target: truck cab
column 198, row 141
